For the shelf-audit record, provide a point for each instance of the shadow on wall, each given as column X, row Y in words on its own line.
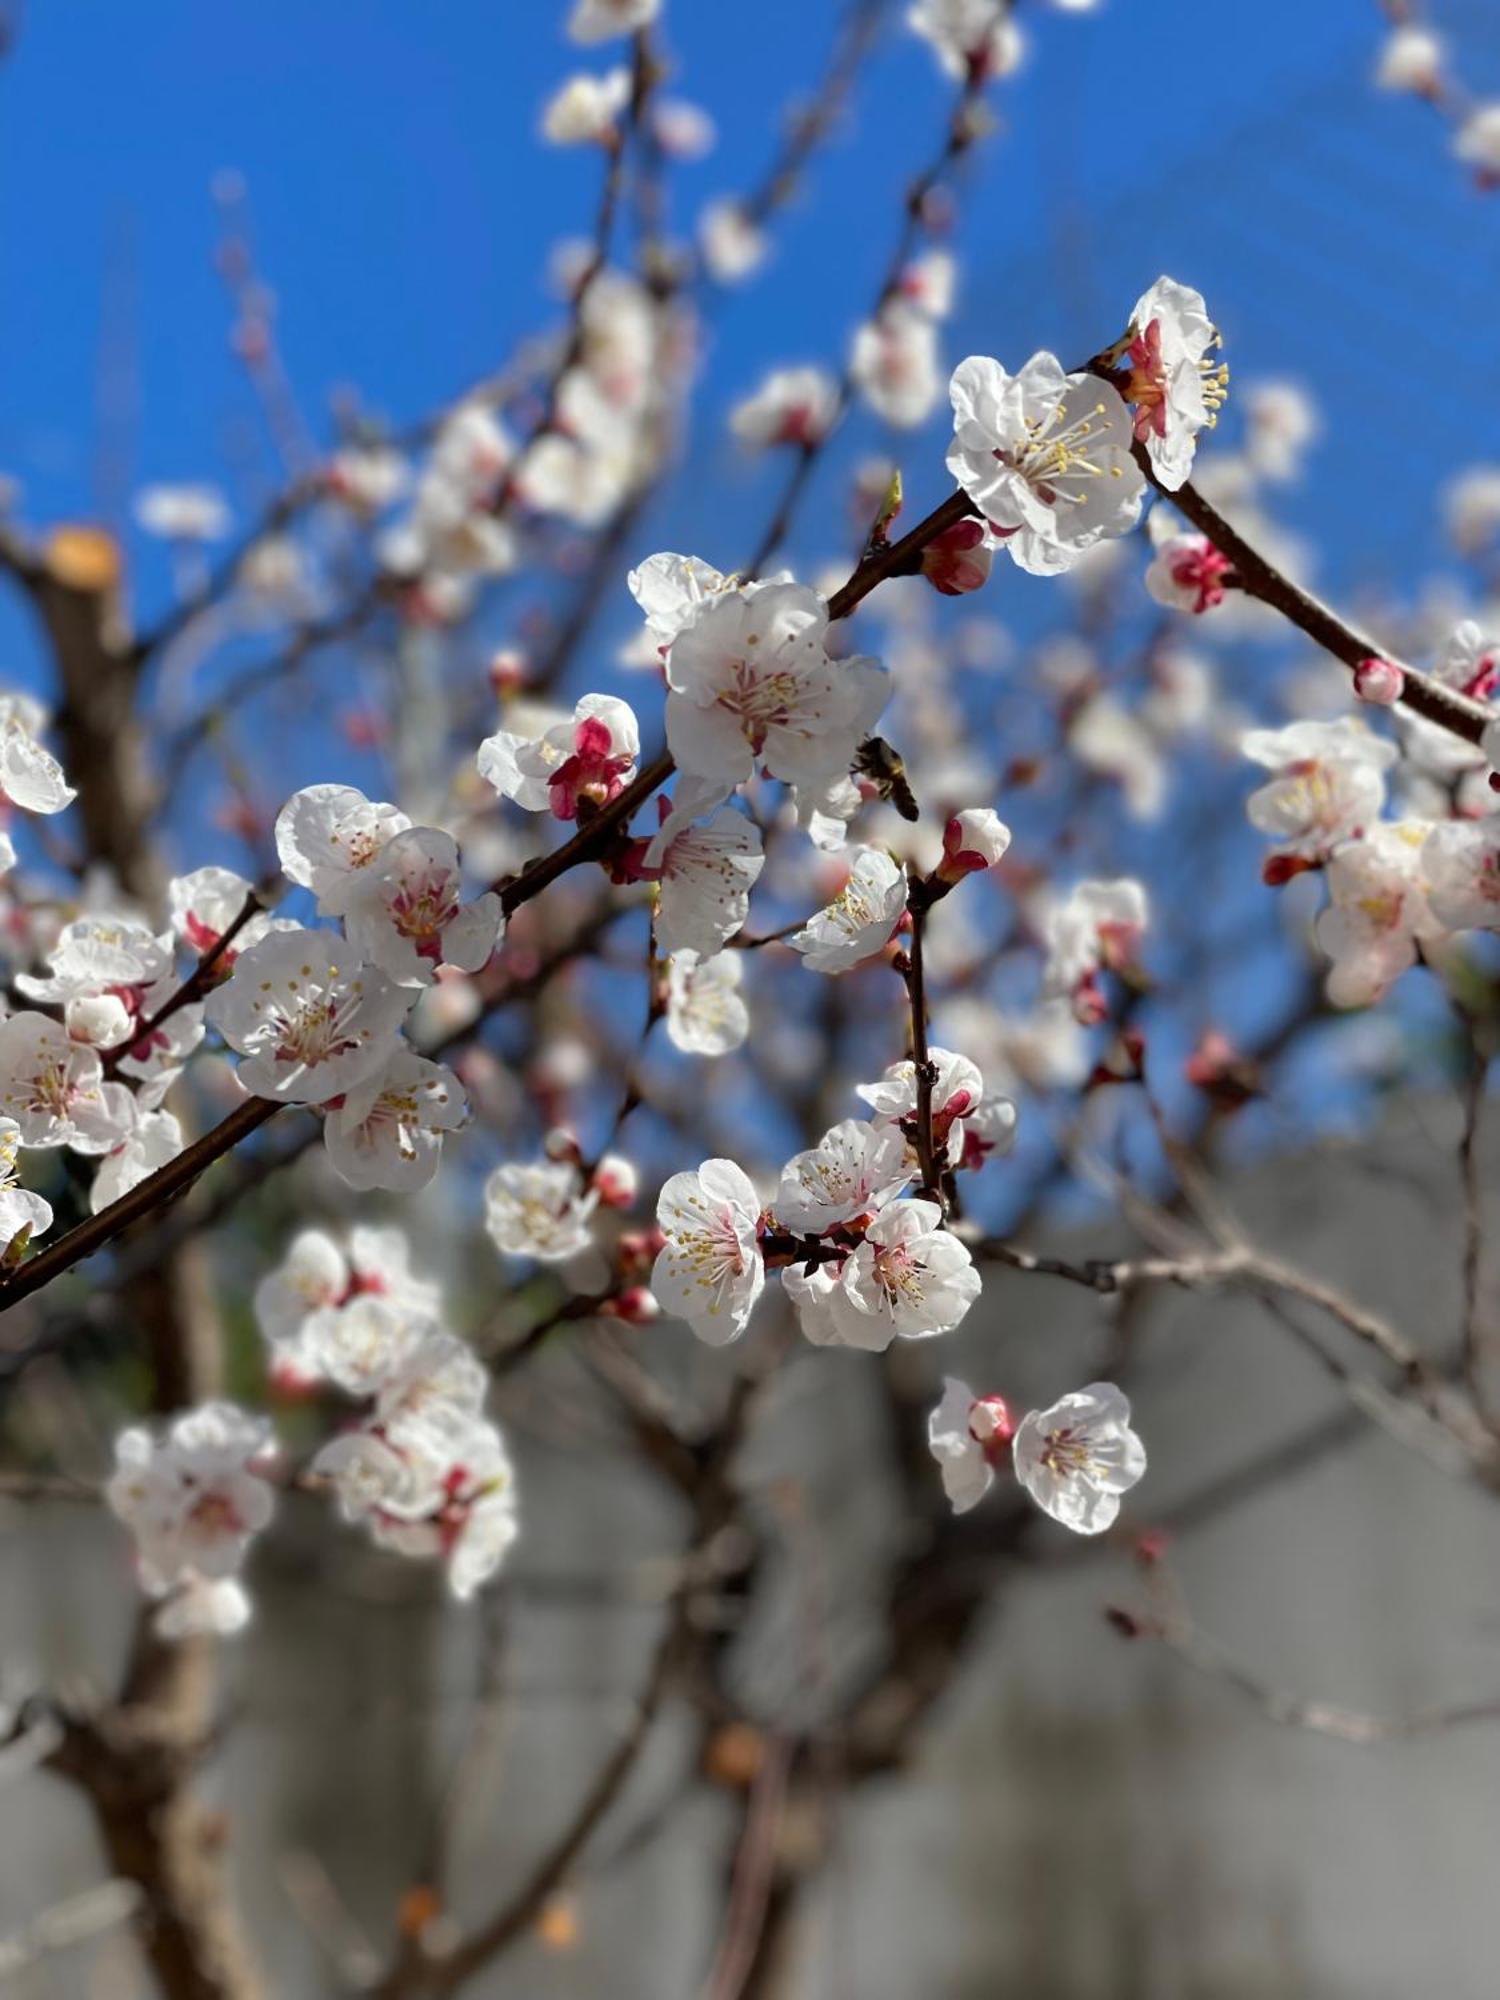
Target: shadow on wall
column 1087, row 1819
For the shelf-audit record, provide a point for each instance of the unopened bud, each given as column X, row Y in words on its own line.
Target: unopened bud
column 958, row 560
column 102, row 1020
column 972, row 841
column 1379, row 681
column 991, row 1423
column 616, row 1181
column 507, row 671
column 636, row 1306
column 562, row 1144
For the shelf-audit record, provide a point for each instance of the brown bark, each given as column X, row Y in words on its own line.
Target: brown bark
column 136, row 1760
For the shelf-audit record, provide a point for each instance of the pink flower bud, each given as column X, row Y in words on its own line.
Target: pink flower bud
column 616, row 1181
column 507, row 671
column 1379, row 681
column 957, row 561
column 991, row 1424
column 562, row 1144
column 972, row 840
column 636, row 1306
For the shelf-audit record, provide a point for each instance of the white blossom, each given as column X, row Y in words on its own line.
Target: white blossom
column 733, row 245
column 388, row 1130
column 1076, row 1458
column 603, row 20
column 1046, row 456
column 1478, row 141
column 1281, row 421
column 539, row 1210
column 183, row 513
column 1377, row 912
column 1411, row 58
column 367, row 478
column 1470, row 661
column 327, row 835
column 810, row 1290
column 856, row 1169
column 1099, row 925
column 894, row 364
column 1107, row 738
column 957, row 1094
column 193, row 1494
column 971, row 38
column 358, row 1347
column 705, row 1013
column 20, row 1209
column 95, row 955
column 752, row 684
column 711, row 1271
column 973, row 840
column 1461, row 865
column 318, row 1279
column 1471, row 507
column 407, row 916
column 860, row 920
column 669, row 589
column 1176, row 389
column 910, row 1278
column 589, row 755
column 429, row 1491
column 203, row 1607
column 966, row 1434
column 705, row 873
column 154, row 1140
column 203, row 906
column 310, row 1020
column 792, row 406
column 1329, row 783
column 30, row 777
column 54, row 1088
column 584, row 110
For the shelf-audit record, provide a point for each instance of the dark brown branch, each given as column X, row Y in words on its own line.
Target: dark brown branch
column 152, row 1193
column 192, row 989
column 923, row 1067
column 1423, row 694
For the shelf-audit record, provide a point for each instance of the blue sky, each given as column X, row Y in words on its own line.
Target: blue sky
column 404, row 210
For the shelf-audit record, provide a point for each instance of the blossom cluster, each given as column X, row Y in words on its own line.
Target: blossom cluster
column 1401, row 888
column 862, row 1261
column 421, row 1465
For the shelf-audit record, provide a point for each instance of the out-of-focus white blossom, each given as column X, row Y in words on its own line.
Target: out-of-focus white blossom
column 603, row 20
column 1328, row 784
column 539, row 1210
column 584, row 110
column 792, row 406
column 971, row 38
column 705, row 1014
